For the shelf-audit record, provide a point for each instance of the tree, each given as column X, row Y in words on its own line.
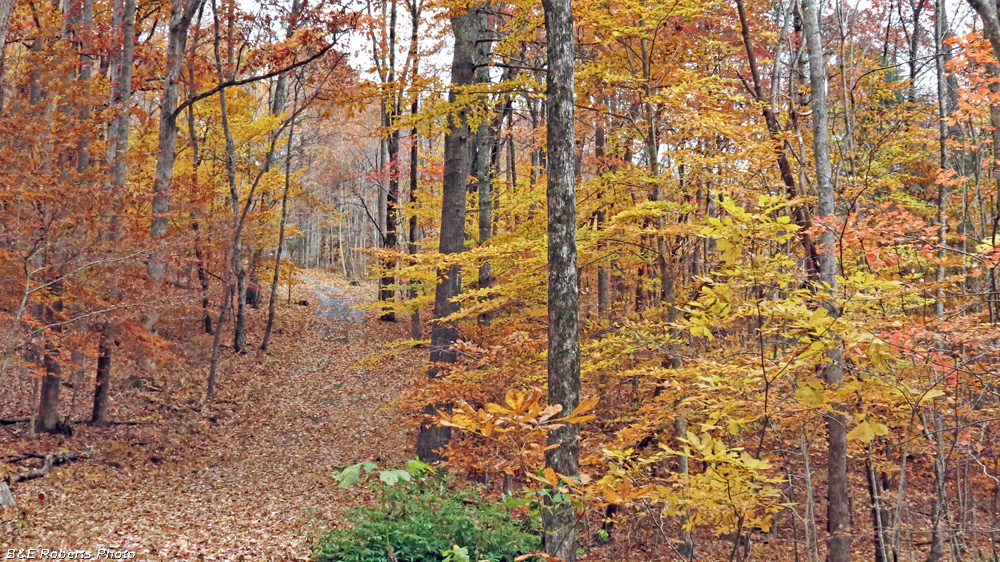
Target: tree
column 121, row 66
column 181, row 14
column 838, row 494
column 563, row 298
column 459, row 146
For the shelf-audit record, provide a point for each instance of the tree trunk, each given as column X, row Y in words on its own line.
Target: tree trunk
column 838, row 493
column 415, row 8
column 603, row 280
column 880, row 515
column 560, row 519
column 799, row 212
column 181, row 14
column 48, row 420
column 458, row 149
column 486, row 162
column 217, row 342
column 458, row 146
column 942, row 202
column 390, row 235
column 102, row 388
column 237, row 270
column 6, row 7
column 272, row 299
column 812, row 539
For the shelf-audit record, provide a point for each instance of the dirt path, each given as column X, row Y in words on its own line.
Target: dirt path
column 250, row 477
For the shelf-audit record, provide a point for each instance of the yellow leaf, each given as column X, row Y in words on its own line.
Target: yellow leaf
column 808, row 395
column 862, row 432
column 497, row 409
column 584, row 406
column 550, row 476
column 514, row 399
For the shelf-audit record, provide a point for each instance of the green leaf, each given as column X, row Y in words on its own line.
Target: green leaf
column 418, row 468
column 391, row 477
column 349, row 476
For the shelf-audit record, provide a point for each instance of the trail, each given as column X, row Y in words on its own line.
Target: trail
column 249, row 478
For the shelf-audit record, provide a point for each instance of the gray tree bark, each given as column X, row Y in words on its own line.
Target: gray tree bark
column 276, row 108
column 458, row 149
column 6, row 8
column 459, row 144
column 181, row 14
column 560, row 519
column 117, row 151
column 272, row 299
column 838, row 493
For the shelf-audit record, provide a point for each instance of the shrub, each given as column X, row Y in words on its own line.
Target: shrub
column 419, row 518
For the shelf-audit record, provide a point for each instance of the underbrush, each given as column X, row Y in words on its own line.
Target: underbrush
column 420, row 517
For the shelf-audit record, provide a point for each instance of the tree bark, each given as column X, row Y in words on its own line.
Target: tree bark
column 458, row 149
column 559, row 519
column 217, row 342
column 415, row 8
column 102, row 387
column 458, row 153
column 272, row 299
column 486, row 162
column 390, row 113
column 237, row 269
column 603, row 280
column 838, row 493
column 277, row 107
column 48, row 420
column 6, row 8
column 799, row 212
column 181, row 14
column 117, row 152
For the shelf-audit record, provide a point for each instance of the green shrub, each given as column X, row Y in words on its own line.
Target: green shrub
column 420, row 519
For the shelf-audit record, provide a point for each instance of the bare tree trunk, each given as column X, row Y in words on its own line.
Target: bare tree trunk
column 560, row 519
column 838, row 492
column 281, row 232
column 237, row 269
column 458, row 147
column 942, row 202
column 415, row 8
column 102, row 388
column 603, row 285
column 6, row 7
column 181, row 14
column 390, row 237
column 801, row 215
column 880, row 515
column 48, row 420
column 486, row 162
column 686, row 547
column 812, row 538
column 217, row 342
column 117, row 151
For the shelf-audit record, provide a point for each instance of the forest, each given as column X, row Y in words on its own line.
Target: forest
column 500, row 280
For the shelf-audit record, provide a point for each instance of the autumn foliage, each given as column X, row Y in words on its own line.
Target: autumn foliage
column 741, row 311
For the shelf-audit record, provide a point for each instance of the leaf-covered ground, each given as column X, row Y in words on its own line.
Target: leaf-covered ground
column 248, row 478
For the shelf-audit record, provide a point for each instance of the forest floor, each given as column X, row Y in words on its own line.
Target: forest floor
column 249, row 476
